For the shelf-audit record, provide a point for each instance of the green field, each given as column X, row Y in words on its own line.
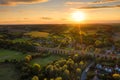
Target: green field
column 7, row 72
column 9, row 54
column 46, row 60
column 20, row 40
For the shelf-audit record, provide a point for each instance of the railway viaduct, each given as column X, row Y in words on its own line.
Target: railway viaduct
column 63, row 51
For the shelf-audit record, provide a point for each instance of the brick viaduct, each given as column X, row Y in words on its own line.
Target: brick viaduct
column 63, row 51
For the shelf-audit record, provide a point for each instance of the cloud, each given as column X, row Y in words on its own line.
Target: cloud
column 90, row 3
column 74, row 3
column 26, row 18
column 95, row 4
column 46, row 18
column 16, row 2
column 98, row 7
column 104, row 1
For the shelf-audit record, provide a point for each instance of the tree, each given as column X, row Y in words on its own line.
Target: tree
column 98, row 43
column 66, row 74
column 78, row 71
column 81, row 63
column 36, row 66
column 58, row 78
column 28, row 58
column 116, row 76
column 36, row 69
column 65, row 67
column 35, row 78
column 76, row 57
column 45, row 78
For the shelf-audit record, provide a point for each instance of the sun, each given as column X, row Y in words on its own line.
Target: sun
column 78, row 16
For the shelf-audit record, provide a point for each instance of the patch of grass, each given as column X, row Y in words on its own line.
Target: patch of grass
column 7, row 72
column 9, row 54
column 44, row 61
column 21, row 40
column 1, row 36
column 37, row 34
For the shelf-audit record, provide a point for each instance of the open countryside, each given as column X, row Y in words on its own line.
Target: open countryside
column 59, row 39
column 59, row 53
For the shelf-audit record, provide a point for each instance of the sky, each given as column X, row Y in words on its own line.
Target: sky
column 58, row 11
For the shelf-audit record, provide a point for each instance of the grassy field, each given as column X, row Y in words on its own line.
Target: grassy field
column 9, row 54
column 37, row 34
column 46, row 60
column 20, row 40
column 7, row 72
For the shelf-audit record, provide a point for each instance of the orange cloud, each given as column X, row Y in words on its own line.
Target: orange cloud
column 104, row 1
column 74, row 3
column 16, row 2
column 89, row 3
column 98, row 7
column 46, row 18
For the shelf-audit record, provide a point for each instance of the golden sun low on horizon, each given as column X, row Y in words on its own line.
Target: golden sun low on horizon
column 78, row 16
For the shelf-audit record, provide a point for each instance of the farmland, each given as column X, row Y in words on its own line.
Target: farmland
column 9, row 54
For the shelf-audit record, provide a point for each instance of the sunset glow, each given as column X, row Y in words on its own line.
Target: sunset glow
column 58, row 11
column 78, row 16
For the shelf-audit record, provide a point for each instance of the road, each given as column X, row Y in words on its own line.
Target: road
column 84, row 73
